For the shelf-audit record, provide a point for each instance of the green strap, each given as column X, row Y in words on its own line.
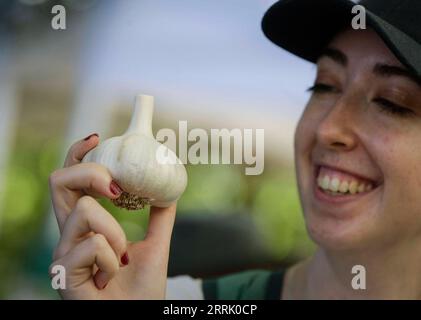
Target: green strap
column 246, row 285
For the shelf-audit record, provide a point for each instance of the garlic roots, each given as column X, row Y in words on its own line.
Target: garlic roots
column 134, row 163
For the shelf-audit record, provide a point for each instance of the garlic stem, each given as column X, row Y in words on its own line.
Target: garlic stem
column 141, row 121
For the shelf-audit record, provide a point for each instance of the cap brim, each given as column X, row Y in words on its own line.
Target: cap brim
column 305, row 28
column 406, row 49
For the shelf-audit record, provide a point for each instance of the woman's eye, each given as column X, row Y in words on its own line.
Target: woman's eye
column 393, row 108
column 321, row 88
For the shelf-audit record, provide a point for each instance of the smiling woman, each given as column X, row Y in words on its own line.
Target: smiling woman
column 357, row 166
column 358, row 170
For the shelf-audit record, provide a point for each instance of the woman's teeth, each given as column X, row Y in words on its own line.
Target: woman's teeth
column 337, row 186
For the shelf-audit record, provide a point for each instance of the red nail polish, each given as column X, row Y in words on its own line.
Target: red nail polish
column 115, row 189
column 125, row 259
column 90, row 136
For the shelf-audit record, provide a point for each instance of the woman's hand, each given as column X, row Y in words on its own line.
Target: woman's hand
column 99, row 262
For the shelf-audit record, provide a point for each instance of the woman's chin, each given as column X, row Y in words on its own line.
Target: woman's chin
column 343, row 222
column 340, row 235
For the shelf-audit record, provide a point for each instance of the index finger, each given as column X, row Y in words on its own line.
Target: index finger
column 78, row 150
column 67, row 185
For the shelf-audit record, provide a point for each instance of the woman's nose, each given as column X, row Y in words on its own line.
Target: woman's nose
column 336, row 129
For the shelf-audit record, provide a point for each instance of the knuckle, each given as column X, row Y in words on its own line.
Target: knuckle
column 58, row 253
column 54, row 177
column 100, row 174
column 99, row 242
column 84, row 204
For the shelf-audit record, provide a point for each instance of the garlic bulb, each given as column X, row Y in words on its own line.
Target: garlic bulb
column 134, row 163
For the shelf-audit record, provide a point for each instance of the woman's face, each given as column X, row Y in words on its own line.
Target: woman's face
column 358, row 147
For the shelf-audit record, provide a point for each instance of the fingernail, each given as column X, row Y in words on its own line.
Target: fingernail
column 115, row 188
column 90, row 136
column 125, row 259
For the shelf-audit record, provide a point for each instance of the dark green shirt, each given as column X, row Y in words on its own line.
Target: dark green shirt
column 246, row 285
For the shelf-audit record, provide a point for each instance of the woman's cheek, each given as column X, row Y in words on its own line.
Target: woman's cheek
column 398, row 160
column 393, row 154
column 305, row 134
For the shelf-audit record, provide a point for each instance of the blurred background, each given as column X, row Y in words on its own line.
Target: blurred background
column 206, row 62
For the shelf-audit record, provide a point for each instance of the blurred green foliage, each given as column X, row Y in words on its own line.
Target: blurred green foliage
column 215, row 188
column 24, row 212
column 279, row 217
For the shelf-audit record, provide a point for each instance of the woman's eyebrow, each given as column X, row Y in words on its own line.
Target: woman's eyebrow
column 385, row 70
column 336, row 55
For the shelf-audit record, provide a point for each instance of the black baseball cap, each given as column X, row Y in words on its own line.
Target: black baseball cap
column 305, row 27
